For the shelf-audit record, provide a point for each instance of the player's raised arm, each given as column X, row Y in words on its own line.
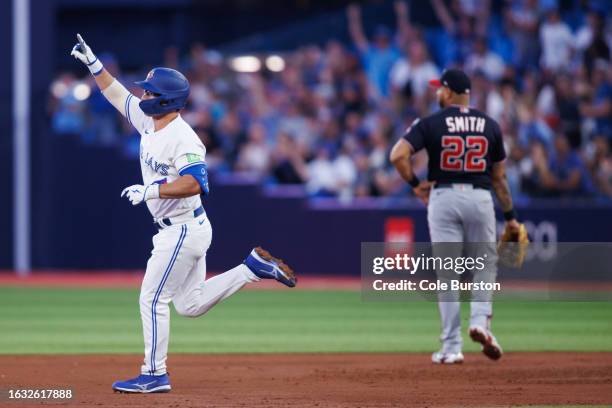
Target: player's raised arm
column 113, row 90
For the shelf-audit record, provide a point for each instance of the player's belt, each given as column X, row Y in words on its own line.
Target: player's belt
column 179, row 219
column 460, row 186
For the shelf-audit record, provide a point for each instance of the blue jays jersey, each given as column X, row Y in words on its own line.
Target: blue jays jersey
column 164, row 155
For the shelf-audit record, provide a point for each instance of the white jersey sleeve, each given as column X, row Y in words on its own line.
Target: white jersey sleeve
column 135, row 115
column 190, row 151
column 128, row 105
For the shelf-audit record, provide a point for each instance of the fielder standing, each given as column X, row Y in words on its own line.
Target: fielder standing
column 466, row 161
column 172, row 160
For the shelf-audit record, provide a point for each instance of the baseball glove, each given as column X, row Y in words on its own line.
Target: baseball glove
column 512, row 247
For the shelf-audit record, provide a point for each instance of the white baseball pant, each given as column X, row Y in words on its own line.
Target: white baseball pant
column 176, row 272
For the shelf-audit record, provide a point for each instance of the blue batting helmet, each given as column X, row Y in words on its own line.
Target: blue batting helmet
column 170, row 87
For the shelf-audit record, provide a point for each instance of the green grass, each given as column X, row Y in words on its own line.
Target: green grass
column 108, row 321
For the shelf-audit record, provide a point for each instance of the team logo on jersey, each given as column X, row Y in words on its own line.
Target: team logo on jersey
column 158, row 167
column 193, row 158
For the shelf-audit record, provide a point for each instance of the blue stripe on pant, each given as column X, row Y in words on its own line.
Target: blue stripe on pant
column 158, row 293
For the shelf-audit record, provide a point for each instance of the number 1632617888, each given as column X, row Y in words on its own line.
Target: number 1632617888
column 36, row 394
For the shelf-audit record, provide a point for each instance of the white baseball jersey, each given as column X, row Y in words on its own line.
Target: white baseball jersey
column 176, row 270
column 163, row 155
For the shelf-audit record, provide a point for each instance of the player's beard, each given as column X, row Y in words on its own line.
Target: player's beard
column 440, row 100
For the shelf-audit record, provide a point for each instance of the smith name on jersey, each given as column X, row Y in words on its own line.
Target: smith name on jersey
column 462, row 145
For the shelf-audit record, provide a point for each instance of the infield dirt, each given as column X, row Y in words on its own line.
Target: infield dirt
column 322, row 380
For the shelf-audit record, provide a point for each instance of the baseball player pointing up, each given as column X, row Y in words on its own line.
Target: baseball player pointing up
column 466, row 160
column 172, row 161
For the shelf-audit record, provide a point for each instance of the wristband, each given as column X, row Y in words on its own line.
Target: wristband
column 95, row 67
column 510, row 215
column 151, row 192
column 414, row 182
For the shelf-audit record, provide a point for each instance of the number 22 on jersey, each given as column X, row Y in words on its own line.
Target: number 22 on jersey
column 459, row 154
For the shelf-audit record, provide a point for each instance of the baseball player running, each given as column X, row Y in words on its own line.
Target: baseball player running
column 466, row 159
column 174, row 175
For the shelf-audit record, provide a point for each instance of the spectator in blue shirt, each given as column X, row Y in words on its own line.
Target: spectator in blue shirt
column 533, row 129
column 68, row 112
column 565, row 174
column 600, row 108
column 377, row 57
column 463, row 24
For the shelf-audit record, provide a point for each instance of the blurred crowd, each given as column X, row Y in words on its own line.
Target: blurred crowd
column 326, row 116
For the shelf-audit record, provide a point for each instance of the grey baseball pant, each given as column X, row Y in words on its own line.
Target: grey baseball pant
column 463, row 214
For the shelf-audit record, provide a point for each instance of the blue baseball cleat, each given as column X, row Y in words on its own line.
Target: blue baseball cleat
column 265, row 266
column 144, row 384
